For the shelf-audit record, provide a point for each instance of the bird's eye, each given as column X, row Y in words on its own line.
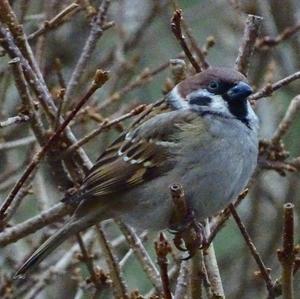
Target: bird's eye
column 213, row 85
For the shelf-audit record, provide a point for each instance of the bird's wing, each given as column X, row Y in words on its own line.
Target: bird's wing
column 152, row 110
column 138, row 156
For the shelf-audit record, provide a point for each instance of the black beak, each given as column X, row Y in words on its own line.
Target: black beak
column 240, row 91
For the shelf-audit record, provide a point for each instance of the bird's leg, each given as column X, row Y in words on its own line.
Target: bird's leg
column 188, row 232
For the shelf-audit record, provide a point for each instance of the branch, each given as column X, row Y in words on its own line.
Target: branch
column 120, row 288
column 105, row 125
column 21, row 230
column 212, row 268
column 267, row 42
column 14, row 120
column 49, row 25
column 37, row 83
column 287, row 120
column 286, row 255
column 219, row 220
column 198, row 51
column 88, row 260
column 100, row 78
column 17, row 143
column 182, row 281
column 162, row 249
column 144, row 77
column 246, row 49
column 263, row 269
column 90, row 45
column 197, row 275
column 270, row 88
column 176, row 29
column 143, row 257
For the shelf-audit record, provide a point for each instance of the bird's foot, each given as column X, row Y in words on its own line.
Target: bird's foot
column 189, row 235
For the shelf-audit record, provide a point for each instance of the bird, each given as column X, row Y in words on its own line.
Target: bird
column 202, row 135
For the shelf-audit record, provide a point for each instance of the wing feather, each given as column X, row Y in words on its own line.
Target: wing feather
column 141, row 154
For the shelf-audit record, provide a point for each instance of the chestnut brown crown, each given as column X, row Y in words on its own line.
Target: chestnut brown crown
column 202, row 80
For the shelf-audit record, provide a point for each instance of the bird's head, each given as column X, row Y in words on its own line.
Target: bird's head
column 217, row 90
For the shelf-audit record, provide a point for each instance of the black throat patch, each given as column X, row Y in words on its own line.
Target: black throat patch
column 238, row 108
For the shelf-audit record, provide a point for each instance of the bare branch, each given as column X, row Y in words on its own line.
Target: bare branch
column 248, row 43
column 90, row 45
column 21, row 230
column 120, row 288
column 105, row 125
column 286, row 255
column 263, row 270
column 142, row 255
column 14, row 120
column 176, row 29
column 266, row 42
column 100, row 78
column 270, row 88
column 88, row 260
column 287, row 120
column 162, row 249
column 17, row 143
column 212, row 268
column 49, row 25
column 182, row 281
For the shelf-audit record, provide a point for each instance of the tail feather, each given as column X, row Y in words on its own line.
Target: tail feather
column 43, row 251
column 70, row 228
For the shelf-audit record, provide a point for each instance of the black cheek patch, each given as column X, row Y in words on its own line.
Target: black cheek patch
column 200, row 101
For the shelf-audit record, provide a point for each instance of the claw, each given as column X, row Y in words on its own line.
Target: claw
column 172, row 231
column 183, row 249
column 191, row 234
column 188, row 257
column 178, row 242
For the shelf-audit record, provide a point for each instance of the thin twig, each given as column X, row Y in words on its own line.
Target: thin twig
column 262, row 268
column 287, row 120
column 266, row 42
column 36, row 81
column 37, row 125
column 212, row 268
column 105, row 125
column 88, row 260
column 219, row 220
column 246, row 49
column 142, row 256
column 90, row 45
column 176, row 29
column 30, row 226
column 18, row 119
column 198, row 51
column 57, row 269
column 120, row 288
column 182, row 281
column 197, row 275
column 143, row 236
column 100, row 78
column 144, row 77
column 55, row 21
column 270, row 88
column 23, row 89
column 17, row 143
column 286, row 255
column 163, row 248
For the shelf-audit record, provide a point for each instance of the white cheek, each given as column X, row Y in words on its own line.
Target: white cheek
column 217, row 103
column 176, row 101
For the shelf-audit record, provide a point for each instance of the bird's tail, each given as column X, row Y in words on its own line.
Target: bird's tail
column 70, row 228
